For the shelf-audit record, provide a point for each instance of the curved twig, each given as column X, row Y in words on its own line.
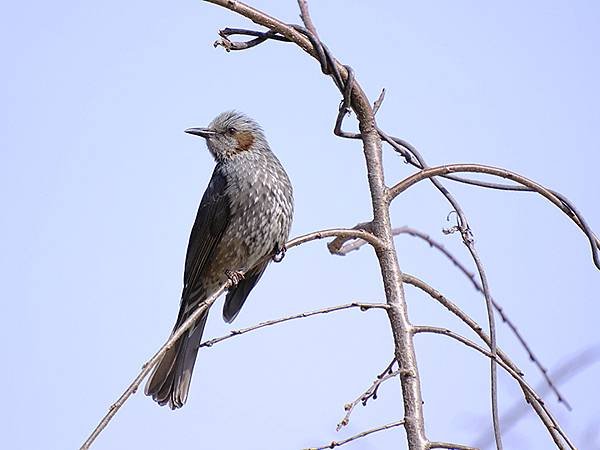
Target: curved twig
column 341, row 232
column 370, row 393
column 557, row 199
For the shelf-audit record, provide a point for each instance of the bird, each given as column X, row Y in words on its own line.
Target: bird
column 244, row 218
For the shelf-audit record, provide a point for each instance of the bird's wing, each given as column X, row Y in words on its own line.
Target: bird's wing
column 211, row 222
column 237, row 296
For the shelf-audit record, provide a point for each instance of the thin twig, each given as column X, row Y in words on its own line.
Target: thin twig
column 450, row 446
column 268, row 323
column 379, row 101
column 261, row 37
column 306, row 19
column 337, row 247
column 557, row 199
column 406, row 149
column 370, row 393
column 493, row 348
column 342, row 232
column 362, row 434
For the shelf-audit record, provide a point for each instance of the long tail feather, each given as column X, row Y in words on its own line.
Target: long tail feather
column 170, row 380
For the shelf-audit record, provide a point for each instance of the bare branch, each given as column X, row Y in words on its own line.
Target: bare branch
column 370, row 393
column 557, row 199
column 228, row 45
column 338, row 232
column 451, row 446
column 492, row 342
column 379, row 101
column 268, row 323
column 362, row 434
column 305, row 16
column 407, row 151
column 336, row 247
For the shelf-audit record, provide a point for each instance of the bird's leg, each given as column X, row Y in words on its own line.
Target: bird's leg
column 235, row 276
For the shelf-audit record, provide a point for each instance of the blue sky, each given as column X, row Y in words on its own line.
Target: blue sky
column 99, row 187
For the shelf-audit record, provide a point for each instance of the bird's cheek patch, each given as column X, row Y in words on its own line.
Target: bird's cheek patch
column 244, row 140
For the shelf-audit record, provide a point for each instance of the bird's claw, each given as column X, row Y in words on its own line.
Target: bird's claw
column 235, row 276
column 278, row 257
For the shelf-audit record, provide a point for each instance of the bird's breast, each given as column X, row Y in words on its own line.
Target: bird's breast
column 261, row 207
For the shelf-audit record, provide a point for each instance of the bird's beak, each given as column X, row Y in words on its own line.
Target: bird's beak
column 204, row 132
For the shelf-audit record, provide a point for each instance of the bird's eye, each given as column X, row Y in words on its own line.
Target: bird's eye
column 231, row 130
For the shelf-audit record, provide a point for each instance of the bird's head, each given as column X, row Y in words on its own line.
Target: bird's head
column 231, row 133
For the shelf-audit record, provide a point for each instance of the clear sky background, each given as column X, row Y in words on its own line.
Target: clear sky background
column 99, row 188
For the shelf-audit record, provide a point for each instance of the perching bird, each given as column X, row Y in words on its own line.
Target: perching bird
column 244, row 216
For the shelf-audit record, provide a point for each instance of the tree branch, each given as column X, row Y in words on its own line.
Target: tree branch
column 557, row 199
column 362, row 434
column 338, row 232
column 450, row 446
column 370, row 393
column 268, row 323
column 306, row 19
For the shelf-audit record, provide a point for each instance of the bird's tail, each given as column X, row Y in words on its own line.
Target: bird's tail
column 170, row 380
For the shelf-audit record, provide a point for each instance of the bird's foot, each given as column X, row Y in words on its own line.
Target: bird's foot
column 235, row 276
column 278, row 257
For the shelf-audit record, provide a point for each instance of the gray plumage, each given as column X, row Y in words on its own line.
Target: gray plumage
column 245, row 214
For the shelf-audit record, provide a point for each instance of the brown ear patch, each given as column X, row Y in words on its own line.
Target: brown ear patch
column 244, row 140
